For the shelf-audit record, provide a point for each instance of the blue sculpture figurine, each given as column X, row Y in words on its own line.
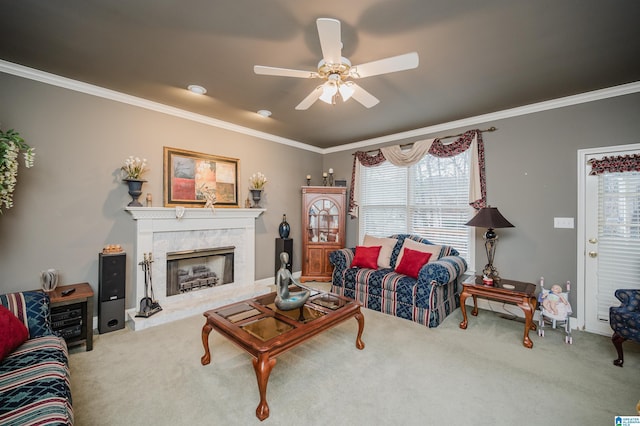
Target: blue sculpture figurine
column 286, row 300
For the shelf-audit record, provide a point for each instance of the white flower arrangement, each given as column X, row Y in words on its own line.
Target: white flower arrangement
column 11, row 144
column 134, row 167
column 257, row 180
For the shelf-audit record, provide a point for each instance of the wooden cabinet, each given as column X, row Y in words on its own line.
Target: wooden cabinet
column 323, row 221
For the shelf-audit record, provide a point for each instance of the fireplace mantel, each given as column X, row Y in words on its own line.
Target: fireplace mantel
column 164, row 229
column 173, row 213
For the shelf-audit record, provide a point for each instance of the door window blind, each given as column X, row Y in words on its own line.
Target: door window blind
column 618, row 237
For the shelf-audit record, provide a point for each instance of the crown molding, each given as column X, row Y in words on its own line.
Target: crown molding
column 90, row 89
column 78, row 86
column 596, row 95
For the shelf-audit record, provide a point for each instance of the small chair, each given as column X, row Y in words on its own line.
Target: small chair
column 562, row 316
column 625, row 320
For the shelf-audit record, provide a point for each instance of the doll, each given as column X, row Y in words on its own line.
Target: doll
column 551, row 299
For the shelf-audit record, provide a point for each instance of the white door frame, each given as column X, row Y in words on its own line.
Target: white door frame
column 583, row 156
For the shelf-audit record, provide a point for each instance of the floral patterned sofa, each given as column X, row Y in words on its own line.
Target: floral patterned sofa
column 34, row 369
column 428, row 298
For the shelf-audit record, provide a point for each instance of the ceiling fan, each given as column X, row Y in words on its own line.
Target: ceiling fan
column 338, row 72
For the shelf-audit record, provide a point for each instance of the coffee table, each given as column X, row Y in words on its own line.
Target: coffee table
column 265, row 332
column 508, row 291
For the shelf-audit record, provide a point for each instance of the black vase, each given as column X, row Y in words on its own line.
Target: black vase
column 284, row 227
column 135, row 190
column 256, row 194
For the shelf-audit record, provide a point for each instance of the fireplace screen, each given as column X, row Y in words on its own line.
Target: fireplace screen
column 192, row 270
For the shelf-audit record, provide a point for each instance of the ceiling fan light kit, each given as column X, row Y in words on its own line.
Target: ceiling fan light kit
column 337, row 70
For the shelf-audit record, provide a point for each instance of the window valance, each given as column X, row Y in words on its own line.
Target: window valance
column 407, row 157
column 615, row 164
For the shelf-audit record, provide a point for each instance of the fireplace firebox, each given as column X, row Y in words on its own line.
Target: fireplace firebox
column 193, row 270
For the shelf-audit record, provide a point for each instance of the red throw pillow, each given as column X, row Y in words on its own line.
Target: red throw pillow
column 411, row 262
column 13, row 332
column 366, row 257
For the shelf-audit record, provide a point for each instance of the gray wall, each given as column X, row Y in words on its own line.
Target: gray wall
column 531, row 165
column 71, row 204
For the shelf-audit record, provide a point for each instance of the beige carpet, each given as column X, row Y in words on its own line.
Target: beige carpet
column 407, row 374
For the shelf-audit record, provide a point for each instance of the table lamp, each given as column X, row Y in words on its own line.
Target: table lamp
column 489, row 217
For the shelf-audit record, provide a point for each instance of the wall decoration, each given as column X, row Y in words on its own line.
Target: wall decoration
column 189, row 176
column 11, row 145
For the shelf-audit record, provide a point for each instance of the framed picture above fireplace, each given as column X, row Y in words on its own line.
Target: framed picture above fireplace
column 189, row 175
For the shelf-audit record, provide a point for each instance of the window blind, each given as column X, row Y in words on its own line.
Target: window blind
column 618, row 237
column 430, row 198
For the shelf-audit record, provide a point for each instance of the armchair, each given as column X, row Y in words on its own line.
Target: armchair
column 625, row 320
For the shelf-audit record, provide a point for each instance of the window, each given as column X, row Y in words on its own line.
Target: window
column 430, row 198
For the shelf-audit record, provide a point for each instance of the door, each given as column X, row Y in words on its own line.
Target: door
column 608, row 238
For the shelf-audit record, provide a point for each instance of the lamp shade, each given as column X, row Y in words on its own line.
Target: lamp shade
column 489, row 217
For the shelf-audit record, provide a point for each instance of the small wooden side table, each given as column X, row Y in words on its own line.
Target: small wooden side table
column 72, row 315
column 522, row 295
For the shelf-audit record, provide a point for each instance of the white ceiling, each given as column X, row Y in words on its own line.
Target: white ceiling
column 476, row 57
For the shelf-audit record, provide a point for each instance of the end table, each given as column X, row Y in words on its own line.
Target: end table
column 72, row 315
column 516, row 292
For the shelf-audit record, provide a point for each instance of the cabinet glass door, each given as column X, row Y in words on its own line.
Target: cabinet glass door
column 324, row 222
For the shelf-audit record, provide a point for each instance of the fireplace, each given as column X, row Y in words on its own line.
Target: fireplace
column 193, row 270
column 165, row 233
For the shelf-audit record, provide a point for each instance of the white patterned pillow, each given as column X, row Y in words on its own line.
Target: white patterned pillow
column 425, row 248
column 387, row 244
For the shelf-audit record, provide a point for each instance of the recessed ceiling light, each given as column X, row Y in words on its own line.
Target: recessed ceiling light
column 264, row 113
column 198, row 90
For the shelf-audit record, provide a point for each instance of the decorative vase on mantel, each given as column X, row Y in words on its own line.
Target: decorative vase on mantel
column 256, row 194
column 135, row 190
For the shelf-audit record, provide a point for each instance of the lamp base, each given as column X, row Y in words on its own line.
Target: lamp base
column 490, row 271
column 490, row 242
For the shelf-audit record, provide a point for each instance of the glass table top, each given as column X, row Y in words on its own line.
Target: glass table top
column 328, row 300
column 304, row 316
column 267, row 328
column 237, row 313
column 261, row 317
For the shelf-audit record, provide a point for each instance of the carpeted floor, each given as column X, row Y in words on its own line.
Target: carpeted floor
column 407, row 374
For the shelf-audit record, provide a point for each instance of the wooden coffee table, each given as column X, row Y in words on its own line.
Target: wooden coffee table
column 264, row 331
column 522, row 294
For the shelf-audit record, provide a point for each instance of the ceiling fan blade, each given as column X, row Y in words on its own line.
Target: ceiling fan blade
column 362, row 96
column 283, row 72
column 310, row 100
column 330, row 39
column 384, row 66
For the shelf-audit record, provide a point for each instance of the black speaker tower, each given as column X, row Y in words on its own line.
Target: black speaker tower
column 111, row 299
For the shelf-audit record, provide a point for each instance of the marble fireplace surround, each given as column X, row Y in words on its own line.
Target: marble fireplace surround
column 161, row 230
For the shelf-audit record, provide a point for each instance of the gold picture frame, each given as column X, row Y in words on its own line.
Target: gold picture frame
column 188, row 173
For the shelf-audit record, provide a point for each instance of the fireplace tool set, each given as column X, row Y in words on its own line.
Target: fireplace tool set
column 148, row 304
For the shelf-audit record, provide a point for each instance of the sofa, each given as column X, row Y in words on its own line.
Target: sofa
column 34, row 363
column 409, row 287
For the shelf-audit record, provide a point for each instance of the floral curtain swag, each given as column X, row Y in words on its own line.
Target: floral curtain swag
column 615, row 164
column 405, row 158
